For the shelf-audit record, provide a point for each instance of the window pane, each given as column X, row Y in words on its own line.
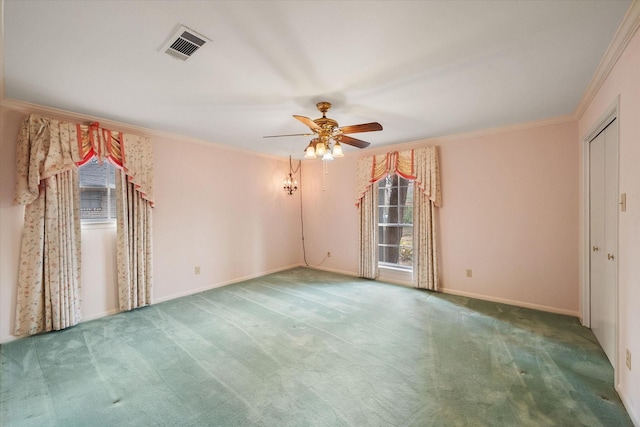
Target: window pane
column 388, row 254
column 97, row 204
column 407, row 216
column 388, row 215
column 95, row 175
column 391, row 235
column 406, row 256
column 395, row 230
column 111, row 176
column 97, row 195
column 383, row 214
column 112, row 204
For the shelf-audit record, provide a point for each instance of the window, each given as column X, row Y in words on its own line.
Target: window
column 97, row 192
column 395, row 222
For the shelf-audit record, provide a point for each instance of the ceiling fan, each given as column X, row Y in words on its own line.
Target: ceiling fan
column 326, row 130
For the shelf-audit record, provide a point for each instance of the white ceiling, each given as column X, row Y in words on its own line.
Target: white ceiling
column 420, row 68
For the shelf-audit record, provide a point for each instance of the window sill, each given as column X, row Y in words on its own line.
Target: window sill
column 398, row 269
column 401, row 276
column 97, row 225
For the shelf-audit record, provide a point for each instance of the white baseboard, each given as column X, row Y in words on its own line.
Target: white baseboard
column 332, row 270
column 101, row 315
column 355, row 274
column 8, row 338
column 635, row 419
column 465, row 294
column 547, row 308
column 221, row 284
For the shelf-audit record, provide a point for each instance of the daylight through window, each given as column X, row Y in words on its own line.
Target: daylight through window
column 395, row 222
column 97, row 192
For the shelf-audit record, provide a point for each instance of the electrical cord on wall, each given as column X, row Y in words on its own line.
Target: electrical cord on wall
column 304, row 250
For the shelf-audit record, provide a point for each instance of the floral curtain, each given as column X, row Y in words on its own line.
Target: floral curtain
column 368, row 209
column 48, row 152
column 427, row 196
column 134, row 252
column 48, row 296
column 422, row 166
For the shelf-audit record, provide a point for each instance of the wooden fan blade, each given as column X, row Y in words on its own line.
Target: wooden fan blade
column 291, row 134
column 344, row 139
column 307, row 121
column 365, row 127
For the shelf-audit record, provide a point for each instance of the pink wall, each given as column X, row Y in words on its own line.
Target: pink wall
column 624, row 81
column 330, row 216
column 221, row 209
column 510, row 213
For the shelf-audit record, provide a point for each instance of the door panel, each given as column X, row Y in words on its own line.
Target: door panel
column 611, row 239
column 603, row 201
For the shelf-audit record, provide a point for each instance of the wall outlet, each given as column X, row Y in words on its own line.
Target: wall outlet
column 628, row 359
column 328, row 254
column 197, row 269
column 469, row 272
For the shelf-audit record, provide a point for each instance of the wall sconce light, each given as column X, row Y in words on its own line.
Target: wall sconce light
column 290, row 184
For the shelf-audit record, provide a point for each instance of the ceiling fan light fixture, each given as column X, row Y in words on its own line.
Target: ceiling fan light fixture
column 329, row 136
column 320, row 149
column 337, row 150
column 310, row 152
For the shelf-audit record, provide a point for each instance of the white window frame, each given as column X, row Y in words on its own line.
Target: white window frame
column 387, row 265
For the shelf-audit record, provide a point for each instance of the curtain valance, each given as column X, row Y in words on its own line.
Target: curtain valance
column 420, row 165
column 44, row 149
column 131, row 153
column 47, row 147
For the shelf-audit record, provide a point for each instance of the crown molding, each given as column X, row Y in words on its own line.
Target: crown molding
column 59, row 114
column 623, row 36
column 427, row 142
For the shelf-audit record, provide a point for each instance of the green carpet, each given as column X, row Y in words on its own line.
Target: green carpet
column 310, row 348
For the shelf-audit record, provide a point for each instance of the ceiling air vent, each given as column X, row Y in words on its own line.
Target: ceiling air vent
column 184, row 43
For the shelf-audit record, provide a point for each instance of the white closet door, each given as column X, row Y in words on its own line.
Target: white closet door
column 603, row 199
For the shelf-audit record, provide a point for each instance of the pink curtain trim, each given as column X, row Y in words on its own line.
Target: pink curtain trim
column 89, row 154
column 94, row 131
column 394, row 155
